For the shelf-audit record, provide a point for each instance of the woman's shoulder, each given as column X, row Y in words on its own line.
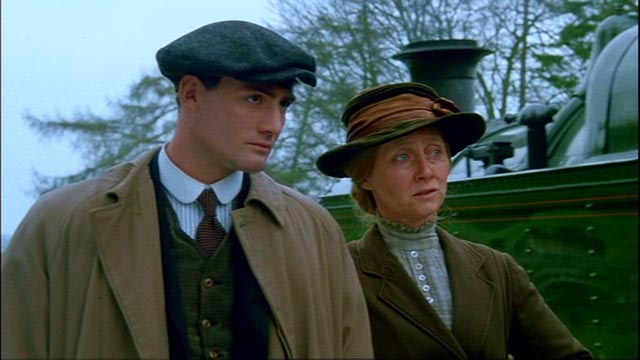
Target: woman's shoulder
column 497, row 257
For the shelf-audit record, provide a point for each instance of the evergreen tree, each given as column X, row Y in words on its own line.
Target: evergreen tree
column 540, row 48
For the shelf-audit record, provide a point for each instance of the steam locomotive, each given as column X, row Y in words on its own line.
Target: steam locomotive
column 555, row 187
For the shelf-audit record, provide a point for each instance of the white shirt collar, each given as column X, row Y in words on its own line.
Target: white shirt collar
column 187, row 189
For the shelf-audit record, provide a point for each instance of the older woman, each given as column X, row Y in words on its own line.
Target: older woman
column 431, row 295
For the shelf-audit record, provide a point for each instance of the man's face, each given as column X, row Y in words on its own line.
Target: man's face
column 409, row 177
column 237, row 124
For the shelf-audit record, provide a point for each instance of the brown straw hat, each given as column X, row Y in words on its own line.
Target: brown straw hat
column 386, row 112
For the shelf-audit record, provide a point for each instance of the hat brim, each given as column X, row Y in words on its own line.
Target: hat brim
column 281, row 76
column 459, row 130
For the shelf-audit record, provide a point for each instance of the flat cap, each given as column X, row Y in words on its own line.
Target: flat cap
column 238, row 49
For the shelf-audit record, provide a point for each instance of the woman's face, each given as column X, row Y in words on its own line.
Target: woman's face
column 409, row 177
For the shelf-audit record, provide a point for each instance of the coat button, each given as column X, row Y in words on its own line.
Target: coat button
column 206, row 323
column 214, row 354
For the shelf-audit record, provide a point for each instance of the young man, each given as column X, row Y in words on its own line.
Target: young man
column 190, row 251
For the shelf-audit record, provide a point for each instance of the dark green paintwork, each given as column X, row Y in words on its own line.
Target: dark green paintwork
column 573, row 225
column 574, row 229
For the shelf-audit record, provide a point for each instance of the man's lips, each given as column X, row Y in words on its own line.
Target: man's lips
column 264, row 146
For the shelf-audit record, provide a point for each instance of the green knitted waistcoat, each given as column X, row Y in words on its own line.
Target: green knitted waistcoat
column 207, row 293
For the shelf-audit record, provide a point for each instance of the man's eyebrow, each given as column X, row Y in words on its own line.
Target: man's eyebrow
column 291, row 98
column 269, row 90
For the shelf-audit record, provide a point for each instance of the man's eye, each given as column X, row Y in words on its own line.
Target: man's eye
column 253, row 99
column 286, row 103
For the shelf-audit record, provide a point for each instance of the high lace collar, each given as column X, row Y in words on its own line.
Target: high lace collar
column 392, row 225
column 401, row 237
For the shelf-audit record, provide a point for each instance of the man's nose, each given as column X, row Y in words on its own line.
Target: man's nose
column 273, row 120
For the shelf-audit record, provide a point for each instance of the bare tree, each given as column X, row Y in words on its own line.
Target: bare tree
column 539, row 54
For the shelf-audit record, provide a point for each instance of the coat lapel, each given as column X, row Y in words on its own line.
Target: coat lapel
column 259, row 235
column 399, row 292
column 473, row 294
column 129, row 249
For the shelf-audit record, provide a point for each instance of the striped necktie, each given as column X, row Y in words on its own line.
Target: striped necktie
column 210, row 232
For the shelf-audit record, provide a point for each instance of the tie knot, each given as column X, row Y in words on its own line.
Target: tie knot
column 208, row 201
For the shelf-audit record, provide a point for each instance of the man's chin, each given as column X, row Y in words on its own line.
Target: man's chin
column 254, row 167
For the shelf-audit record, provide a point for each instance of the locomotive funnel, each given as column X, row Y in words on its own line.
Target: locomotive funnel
column 447, row 65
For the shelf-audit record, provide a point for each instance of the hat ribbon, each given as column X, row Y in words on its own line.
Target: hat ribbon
column 389, row 112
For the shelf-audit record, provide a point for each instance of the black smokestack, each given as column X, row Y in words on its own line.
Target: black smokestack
column 449, row 66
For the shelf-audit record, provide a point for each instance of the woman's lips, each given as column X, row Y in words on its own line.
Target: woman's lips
column 425, row 192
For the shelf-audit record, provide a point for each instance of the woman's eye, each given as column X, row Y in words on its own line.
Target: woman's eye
column 436, row 154
column 402, row 157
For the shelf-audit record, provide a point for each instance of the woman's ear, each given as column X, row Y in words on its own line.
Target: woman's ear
column 366, row 185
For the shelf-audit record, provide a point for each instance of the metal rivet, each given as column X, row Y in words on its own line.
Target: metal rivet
column 207, row 283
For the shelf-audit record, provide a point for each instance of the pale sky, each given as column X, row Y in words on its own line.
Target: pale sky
column 59, row 57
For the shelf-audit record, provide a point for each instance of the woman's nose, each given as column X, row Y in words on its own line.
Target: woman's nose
column 423, row 168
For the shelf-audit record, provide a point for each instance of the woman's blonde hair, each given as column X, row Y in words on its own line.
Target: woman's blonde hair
column 358, row 169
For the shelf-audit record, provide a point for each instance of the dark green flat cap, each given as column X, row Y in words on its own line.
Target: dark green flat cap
column 386, row 112
column 238, row 49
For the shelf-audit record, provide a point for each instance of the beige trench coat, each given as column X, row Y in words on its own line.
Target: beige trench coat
column 82, row 277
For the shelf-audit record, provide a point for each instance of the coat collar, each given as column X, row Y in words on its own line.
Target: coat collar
column 128, row 245
column 268, row 193
column 472, row 292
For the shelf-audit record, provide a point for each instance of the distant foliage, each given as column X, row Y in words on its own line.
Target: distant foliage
column 144, row 118
column 541, row 49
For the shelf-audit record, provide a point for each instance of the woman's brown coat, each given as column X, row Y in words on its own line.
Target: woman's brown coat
column 497, row 311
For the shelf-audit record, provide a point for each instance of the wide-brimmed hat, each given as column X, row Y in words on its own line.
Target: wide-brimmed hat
column 383, row 113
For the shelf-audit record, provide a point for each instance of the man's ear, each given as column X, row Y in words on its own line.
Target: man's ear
column 188, row 91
